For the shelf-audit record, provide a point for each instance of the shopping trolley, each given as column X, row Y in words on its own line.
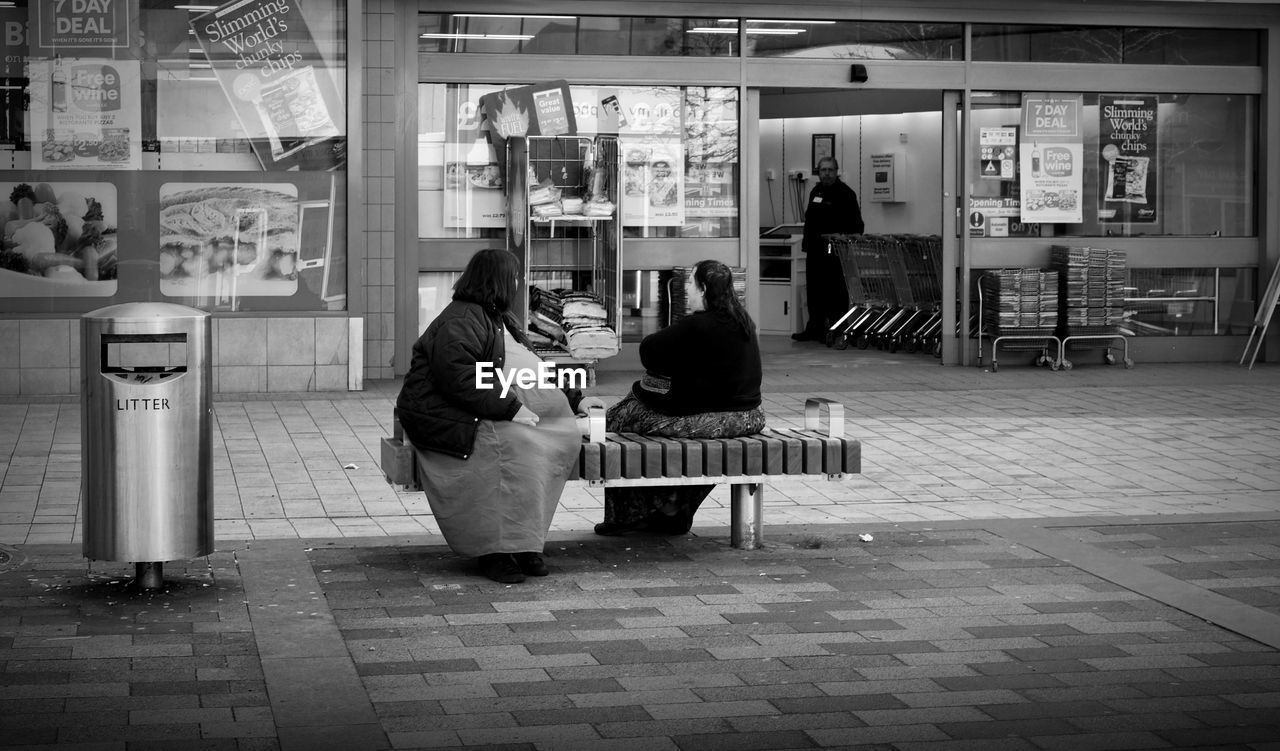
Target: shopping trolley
column 872, row 294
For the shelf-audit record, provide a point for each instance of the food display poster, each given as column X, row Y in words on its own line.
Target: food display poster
column 1127, row 145
column 276, row 81
column 472, row 195
column 59, row 239
column 473, row 181
column 86, row 113
column 1051, row 157
column 224, row 241
column 544, row 109
column 653, row 181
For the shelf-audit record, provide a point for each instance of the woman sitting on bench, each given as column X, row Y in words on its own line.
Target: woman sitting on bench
column 493, row 463
column 702, row 380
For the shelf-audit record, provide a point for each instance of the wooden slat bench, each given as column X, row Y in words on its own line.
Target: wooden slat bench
column 617, row 460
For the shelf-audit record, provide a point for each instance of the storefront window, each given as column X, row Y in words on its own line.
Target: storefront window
column 538, row 34
column 181, row 153
column 1189, row 301
column 855, row 40
column 679, row 147
column 1107, row 165
column 1099, row 44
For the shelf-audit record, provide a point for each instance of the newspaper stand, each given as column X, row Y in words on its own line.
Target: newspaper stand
column 1018, row 309
column 1090, row 301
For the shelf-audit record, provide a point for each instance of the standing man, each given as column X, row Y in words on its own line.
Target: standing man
column 833, row 209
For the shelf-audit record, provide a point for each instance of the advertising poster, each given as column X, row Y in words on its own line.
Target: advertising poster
column 59, row 239
column 651, row 144
column 224, row 241
column 709, row 191
column 545, row 109
column 472, row 190
column 1127, row 141
column 276, row 81
column 652, row 180
column 80, row 27
column 1051, row 157
column 86, row 114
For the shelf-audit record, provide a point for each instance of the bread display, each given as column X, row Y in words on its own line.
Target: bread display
column 210, row 230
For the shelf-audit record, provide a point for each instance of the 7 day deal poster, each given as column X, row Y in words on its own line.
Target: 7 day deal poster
column 1127, row 186
column 1051, row 158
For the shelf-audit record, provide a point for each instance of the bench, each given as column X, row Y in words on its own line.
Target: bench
column 620, row 460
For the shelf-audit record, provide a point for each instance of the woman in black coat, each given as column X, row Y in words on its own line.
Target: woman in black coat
column 702, row 380
column 494, row 459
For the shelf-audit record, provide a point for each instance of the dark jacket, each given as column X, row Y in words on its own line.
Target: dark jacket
column 713, row 366
column 439, row 405
column 832, row 210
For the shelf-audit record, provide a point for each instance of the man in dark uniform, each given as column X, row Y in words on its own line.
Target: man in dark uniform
column 833, row 209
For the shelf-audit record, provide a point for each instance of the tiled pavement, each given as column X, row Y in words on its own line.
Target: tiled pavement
column 1068, row 560
column 949, row 635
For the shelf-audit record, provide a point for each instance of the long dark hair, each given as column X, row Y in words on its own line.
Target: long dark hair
column 490, row 280
column 716, row 282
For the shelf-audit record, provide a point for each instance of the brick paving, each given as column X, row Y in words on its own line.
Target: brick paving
column 1078, row 560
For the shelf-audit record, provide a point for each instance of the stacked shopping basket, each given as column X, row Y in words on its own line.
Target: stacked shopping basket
column 1090, row 300
column 1018, row 310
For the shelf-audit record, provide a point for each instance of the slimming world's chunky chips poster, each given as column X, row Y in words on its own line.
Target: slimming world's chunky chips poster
column 276, row 80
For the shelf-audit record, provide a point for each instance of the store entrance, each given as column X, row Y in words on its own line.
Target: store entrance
column 890, row 148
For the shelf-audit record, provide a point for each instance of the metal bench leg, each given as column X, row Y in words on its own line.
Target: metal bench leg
column 746, row 515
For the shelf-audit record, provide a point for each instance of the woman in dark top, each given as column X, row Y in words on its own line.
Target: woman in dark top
column 493, row 464
column 702, row 380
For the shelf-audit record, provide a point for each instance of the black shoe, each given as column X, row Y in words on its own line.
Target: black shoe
column 614, row 529
column 802, row 336
column 501, row 567
column 532, row 564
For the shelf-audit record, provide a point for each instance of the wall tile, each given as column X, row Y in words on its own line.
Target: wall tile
column 10, row 337
column 331, row 378
column 331, row 342
column 241, row 341
column 242, row 379
column 291, row 378
column 291, row 341
column 44, row 344
column 46, row 381
column 9, row 381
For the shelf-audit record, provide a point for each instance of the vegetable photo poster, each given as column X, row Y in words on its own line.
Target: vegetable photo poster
column 59, row 239
column 1127, row 144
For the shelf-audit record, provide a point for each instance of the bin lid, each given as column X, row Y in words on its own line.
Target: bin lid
column 145, row 311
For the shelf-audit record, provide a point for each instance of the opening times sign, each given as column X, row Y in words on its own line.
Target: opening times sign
column 1051, row 158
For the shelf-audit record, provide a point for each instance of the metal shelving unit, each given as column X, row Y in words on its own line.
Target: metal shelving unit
column 562, row 246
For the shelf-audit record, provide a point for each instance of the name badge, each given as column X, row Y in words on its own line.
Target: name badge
column 817, row 199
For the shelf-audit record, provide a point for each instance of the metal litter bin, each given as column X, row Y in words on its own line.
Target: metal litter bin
column 146, row 435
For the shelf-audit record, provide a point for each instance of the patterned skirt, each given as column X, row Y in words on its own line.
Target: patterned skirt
column 667, row 509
